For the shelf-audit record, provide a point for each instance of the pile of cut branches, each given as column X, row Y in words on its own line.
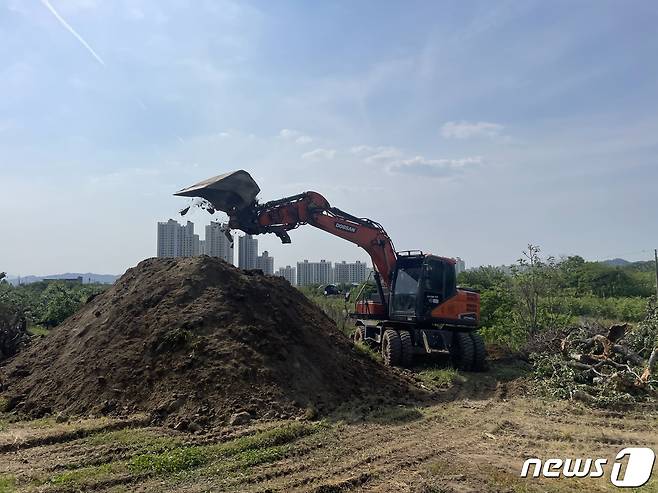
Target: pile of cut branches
column 596, row 366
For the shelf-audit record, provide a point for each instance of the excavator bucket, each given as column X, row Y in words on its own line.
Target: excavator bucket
column 232, row 191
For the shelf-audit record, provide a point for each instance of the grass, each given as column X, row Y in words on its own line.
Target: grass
column 442, row 378
column 245, row 451
column 369, row 352
column 84, row 474
column 167, row 456
column 269, row 438
column 494, row 478
column 41, row 423
column 7, row 483
column 144, row 439
column 38, row 330
column 394, row 415
column 171, row 461
column 4, row 404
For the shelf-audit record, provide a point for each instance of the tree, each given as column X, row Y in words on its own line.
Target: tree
column 482, row 278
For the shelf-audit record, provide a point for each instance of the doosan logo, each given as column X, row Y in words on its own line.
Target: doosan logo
column 346, row 227
column 637, row 472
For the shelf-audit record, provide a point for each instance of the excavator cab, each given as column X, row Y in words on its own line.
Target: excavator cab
column 423, row 292
column 421, row 283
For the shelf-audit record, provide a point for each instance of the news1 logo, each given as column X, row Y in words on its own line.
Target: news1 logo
column 637, row 472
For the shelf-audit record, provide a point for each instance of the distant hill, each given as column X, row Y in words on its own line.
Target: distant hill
column 616, row 262
column 87, row 278
column 640, row 266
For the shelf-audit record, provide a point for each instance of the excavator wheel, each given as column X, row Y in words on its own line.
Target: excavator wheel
column 407, row 348
column 359, row 335
column 391, row 348
column 479, row 352
column 462, row 351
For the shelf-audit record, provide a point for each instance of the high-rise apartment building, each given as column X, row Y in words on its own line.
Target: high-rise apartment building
column 314, row 273
column 265, row 263
column 247, row 252
column 460, row 266
column 288, row 273
column 175, row 240
column 350, row 272
column 217, row 244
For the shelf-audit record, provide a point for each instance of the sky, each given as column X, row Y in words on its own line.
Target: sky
column 466, row 129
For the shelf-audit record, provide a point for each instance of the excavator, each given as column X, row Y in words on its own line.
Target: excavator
column 418, row 308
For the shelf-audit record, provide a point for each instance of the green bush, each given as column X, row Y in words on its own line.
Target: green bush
column 46, row 303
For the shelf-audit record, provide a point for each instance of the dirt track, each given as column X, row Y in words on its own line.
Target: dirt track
column 473, row 437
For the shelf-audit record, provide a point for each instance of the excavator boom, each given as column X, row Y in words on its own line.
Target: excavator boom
column 235, row 193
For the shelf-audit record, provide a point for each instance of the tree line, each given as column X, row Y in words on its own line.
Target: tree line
column 44, row 304
column 544, row 292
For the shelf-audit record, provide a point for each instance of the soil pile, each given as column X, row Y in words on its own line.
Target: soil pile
column 195, row 341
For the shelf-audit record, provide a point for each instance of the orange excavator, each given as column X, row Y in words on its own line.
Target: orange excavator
column 419, row 308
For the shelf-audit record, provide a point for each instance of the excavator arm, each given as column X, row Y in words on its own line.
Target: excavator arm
column 235, row 193
column 280, row 216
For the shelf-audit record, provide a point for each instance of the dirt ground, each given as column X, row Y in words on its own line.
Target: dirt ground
column 473, row 436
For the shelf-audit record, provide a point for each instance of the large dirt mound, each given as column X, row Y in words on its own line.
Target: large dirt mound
column 195, row 339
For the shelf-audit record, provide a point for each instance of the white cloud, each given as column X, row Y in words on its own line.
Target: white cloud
column 383, row 155
column 435, row 168
column 319, row 154
column 287, row 133
column 297, row 136
column 378, row 154
column 467, row 130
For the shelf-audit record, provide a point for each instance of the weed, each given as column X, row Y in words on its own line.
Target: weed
column 7, row 484
column 4, row 404
column 369, row 352
column 245, row 451
column 38, row 330
column 143, row 439
column 174, row 340
column 269, row 438
column 439, row 377
column 252, row 458
column 394, row 415
column 83, row 474
column 172, row 461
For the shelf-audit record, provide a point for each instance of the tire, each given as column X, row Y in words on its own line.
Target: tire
column 462, row 351
column 479, row 352
column 407, row 348
column 359, row 335
column 391, row 348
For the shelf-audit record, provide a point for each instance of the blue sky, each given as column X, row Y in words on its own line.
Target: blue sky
column 466, row 128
